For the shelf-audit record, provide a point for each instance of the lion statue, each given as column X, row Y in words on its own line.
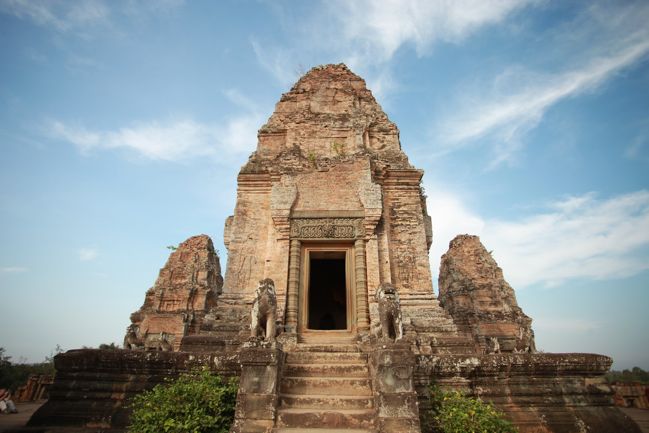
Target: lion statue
column 131, row 340
column 158, row 343
column 389, row 312
column 493, row 345
column 264, row 311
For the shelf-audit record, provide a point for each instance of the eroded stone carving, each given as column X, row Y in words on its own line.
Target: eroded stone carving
column 389, row 312
column 326, row 228
column 187, row 288
column 160, row 343
column 473, row 290
column 264, row 311
column 132, row 340
column 493, row 346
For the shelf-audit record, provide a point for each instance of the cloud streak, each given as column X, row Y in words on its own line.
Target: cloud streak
column 65, row 16
column 173, row 140
column 575, row 237
column 519, row 98
column 13, row 270
column 375, row 30
column 61, row 15
column 87, row 254
column 366, row 34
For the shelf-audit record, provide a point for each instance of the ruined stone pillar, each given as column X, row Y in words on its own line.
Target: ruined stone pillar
column 257, row 399
column 362, row 309
column 293, row 286
column 392, row 368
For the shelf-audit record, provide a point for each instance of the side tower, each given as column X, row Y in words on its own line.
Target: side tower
column 329, row 207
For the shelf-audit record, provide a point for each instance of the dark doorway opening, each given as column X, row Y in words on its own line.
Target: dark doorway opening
column 327, row 292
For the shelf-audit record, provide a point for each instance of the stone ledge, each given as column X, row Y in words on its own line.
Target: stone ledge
column 514, row 364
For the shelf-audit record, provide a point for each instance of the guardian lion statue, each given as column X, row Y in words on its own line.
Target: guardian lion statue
column 264, row 311
column 493, row 345
column 389, row 312
column 131, row 340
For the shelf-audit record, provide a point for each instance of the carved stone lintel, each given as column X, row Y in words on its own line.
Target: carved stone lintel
column 327, row 228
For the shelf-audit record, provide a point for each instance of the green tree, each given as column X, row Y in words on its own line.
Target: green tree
column 453, row 412
column 197, row 402
column 636, row 374
column 13, row 375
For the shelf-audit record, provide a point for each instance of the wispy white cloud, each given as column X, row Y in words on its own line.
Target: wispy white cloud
column 62, row 15
column 87, row 254
column 171, row 140
column 366, row 34
column 13, row 269
column 65, row 16
column 174, row 140
column 575, row 237
column 279, row 61
column 638, row 149
column 518, row 99
column 374, row 30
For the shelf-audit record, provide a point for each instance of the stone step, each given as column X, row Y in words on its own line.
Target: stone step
column 327, row 370
column 321, row 430
column 326, row 357
column 337, row 347
column 327, row 338
column 325, row 401
column 325, row 386
column 343, row 418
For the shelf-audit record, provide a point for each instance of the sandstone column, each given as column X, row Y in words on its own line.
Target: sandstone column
column 293, row 286
column 361, row 286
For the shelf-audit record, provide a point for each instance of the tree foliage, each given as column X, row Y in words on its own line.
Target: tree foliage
column 636, row 374
column 453, row 412
column 197, row 402
column 13, row 375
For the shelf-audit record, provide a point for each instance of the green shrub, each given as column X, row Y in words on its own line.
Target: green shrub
column 453, row 412
column 197, row 402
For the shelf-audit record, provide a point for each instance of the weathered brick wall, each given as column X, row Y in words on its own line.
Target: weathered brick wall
column 540, row 393
column 92, row 387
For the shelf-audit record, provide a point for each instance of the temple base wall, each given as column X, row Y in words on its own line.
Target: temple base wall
column 540, row 393
column 92, row 387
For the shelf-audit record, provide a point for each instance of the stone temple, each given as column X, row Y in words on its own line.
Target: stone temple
column 327, row 311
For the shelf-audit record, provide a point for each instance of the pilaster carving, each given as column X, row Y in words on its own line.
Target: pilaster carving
column 293, row 285
column 282, row 197
column 371, row 197
column 361, row 286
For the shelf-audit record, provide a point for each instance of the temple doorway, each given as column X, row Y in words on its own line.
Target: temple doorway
column 327, row 292
column 326, row 300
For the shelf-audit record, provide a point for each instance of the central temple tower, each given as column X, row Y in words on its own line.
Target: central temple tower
column 329, row 207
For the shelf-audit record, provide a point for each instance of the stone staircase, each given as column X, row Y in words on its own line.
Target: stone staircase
column 427, row 321
column 326, row 388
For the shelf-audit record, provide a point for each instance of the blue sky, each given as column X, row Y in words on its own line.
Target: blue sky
column 123, row 126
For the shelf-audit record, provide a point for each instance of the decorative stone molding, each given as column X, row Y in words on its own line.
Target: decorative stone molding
column 327, row 228
column 282, row 197
column 293, row 286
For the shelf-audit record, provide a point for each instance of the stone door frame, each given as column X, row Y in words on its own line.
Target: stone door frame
column 328, row 228
column 303, row 294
